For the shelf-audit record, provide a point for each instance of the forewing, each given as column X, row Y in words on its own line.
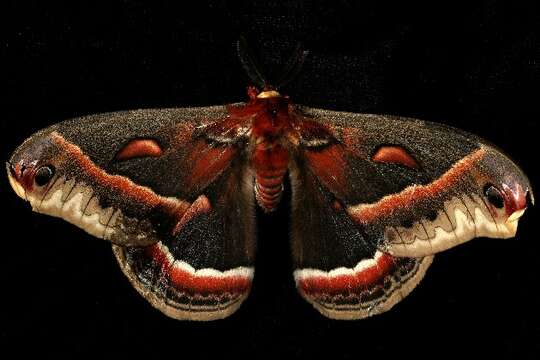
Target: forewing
column 167, row 187
column 414, row 187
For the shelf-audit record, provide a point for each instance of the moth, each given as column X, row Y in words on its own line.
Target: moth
column 374, row 197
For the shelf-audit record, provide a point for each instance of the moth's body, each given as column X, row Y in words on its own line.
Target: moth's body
column 270, row 155
column 374, row 197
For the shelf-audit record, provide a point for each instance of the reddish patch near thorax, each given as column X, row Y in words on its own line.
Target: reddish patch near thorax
column 138, row 148
column 395, row 155
column 208, row 162
column 349, row 283
column 330, row 166
column 387, row 205
column 185, row 280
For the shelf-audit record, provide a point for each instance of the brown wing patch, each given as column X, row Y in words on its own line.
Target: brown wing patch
column 180, row 291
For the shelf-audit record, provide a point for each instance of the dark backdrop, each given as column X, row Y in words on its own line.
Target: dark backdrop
column 470, row 65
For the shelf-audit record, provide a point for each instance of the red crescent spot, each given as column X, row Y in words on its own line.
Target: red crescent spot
column 192, row 283
column 368, row 212
column 395, row 155
column 199, row 206
column 139, row 148
column 340, row 284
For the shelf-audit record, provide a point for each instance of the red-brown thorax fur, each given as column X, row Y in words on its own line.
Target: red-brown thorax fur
column 270, row 155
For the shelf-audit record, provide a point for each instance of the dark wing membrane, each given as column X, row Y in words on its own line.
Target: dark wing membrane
column 415, row 188
column 374, row 197
column 166, row 180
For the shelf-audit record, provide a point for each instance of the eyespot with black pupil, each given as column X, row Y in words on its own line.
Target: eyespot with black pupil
column 494, row 196
column 43, row 175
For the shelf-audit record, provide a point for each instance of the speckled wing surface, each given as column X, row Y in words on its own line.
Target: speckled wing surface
column 379, row 197
column 373, row 198
column 171, row 200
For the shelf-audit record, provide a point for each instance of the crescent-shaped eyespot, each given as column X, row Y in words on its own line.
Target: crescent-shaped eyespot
column 395, row 154
column 138, row 148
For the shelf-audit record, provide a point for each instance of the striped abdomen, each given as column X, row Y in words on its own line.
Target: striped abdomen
column 270, row 161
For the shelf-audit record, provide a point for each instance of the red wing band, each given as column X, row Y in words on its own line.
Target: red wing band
column 373, row 286
column 177, row 289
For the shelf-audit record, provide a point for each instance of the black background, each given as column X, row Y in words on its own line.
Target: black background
column 470, row 65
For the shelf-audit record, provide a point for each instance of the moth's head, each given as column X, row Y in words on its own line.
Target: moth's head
column 35, row 165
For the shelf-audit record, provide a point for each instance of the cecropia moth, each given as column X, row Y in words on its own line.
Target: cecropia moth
column 374, row 197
